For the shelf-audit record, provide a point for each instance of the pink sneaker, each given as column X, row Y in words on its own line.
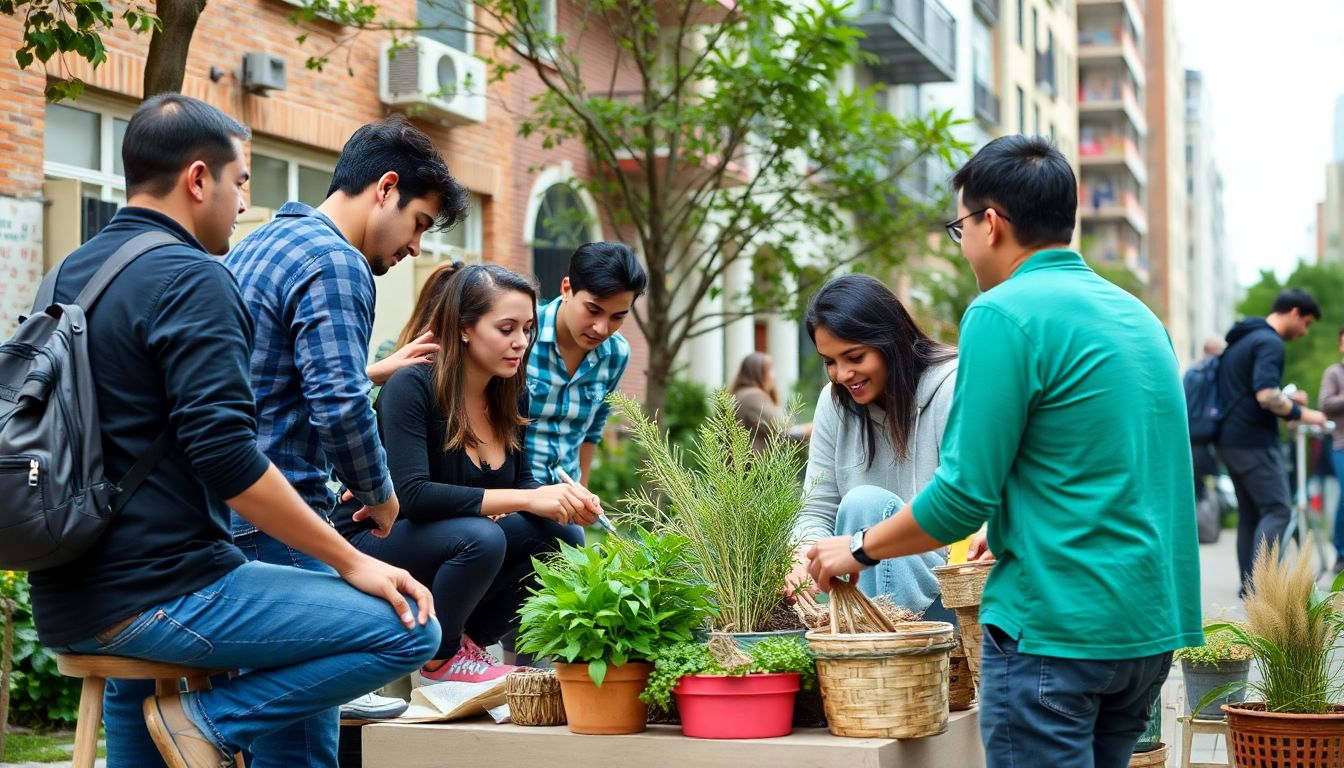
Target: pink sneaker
column 471, row 664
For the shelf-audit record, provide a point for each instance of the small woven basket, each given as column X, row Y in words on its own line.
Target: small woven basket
column 963, row 584
column 960, row 689
column 880, row 680
column 1156, row 758
column 534, row 697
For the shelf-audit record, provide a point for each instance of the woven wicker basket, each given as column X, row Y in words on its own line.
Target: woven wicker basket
column 534, row 697
column 1156, row 758
column 963, row 583
column 972, row 637
column 960, row 689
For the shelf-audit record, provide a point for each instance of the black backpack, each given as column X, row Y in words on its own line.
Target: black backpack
column 1202, row 406
column 55, row 501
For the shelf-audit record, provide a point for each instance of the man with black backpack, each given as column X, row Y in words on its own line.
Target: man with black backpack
column 1201, row 391
column 1250, row 376
column 170, row 340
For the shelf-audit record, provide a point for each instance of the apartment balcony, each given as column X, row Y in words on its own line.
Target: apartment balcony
column 915, row 41
column 986, row 104
column 988, row 10
column 1112, row 152
column 1135, row 9
column 1102, row 98
column 925, row 180
column 1110, row 46
column 1098, row 204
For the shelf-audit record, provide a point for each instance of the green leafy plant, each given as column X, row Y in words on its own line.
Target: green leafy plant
column 1291, row 631
column 609, row 603
column 775, row 654
column 1219, row 646
column 736, row 509
column 40, row 696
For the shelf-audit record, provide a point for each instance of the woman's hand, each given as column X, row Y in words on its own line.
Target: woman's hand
column 798, row 585
column 420, row 350
column 564, row 504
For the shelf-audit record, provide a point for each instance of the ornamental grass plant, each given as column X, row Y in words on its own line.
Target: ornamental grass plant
column 735, row 508
column 1291, row 630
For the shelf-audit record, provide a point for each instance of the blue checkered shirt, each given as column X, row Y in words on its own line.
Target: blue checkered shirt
column 567, row 412
column 311, row 296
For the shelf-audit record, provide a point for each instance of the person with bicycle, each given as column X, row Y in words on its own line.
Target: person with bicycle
column 1249, row 384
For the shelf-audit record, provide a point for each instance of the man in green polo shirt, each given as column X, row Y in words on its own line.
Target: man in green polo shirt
column 1068, row 436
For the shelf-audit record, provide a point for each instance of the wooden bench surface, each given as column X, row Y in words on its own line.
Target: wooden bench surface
column 482, row 742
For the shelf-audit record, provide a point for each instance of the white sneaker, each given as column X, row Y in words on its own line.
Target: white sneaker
column 371, row 706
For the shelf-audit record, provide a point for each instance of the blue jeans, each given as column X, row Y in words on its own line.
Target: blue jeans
column 909, row 580
column 306, row 642
column 1337, row 457
column 1046, row 710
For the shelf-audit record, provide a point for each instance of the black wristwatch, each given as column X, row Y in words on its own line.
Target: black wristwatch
column 856, row 548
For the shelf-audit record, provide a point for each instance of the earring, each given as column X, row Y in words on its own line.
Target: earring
column 464, row 339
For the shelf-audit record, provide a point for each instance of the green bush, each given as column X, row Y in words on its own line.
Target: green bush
column 40, row 696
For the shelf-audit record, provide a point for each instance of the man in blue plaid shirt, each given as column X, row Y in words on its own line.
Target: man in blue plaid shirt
column 307, row 280
column 579, row 359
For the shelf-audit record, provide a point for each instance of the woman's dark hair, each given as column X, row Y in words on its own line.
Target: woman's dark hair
column 861, row 310
column 606, row 269
column 1029, row 182
column 752, row 374
column 169, row 132
column 469, row 294
column 431, row 293
column 394, row 144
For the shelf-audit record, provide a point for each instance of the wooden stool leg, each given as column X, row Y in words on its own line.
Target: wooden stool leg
column 1187, row 741
column 90, row 720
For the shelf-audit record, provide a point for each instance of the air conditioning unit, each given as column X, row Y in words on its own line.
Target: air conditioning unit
column 444, row 82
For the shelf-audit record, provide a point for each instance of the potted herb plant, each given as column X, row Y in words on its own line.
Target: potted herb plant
column 605, row 611
column 735, row 508
column 747, row 696
column 1212, row 666
column 1291, row 630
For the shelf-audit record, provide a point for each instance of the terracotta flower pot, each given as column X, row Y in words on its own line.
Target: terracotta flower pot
column 1260, row 739
column 611, row 709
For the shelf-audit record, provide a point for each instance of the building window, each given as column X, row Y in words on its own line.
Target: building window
column 1021, row 35
column 1036, row 118
column 1035, row 30
column 84, row 142
column 280, row 174
column 563, row 224
column 450, row 19
column 465, row 242
column 1021, row 111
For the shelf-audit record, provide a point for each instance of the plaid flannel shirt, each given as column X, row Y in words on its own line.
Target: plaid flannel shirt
column 568, row 411
column 311, row 295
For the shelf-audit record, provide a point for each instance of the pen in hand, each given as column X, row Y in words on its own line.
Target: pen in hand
column 601, row 516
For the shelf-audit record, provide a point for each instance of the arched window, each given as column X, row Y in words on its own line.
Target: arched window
column 563, row 224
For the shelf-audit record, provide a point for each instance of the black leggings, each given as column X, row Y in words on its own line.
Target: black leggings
column 477, row 569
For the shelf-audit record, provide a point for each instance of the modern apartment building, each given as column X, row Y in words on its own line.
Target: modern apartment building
column 1211, row 275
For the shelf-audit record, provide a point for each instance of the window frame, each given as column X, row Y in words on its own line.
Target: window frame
column 111, row 185
column 293, row 156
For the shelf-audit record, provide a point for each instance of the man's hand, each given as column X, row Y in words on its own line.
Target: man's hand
column 384, row 514
column 1298, row 397
column 420, row 350
column 798, row 585
column 374, row 577
column 830, row 558
column 979, row 547
column 1311, row 416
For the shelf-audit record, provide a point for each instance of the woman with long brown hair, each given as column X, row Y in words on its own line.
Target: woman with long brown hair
column 472, row 515
column 757, row 402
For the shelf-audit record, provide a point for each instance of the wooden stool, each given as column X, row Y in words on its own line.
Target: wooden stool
column 1189, row 726
column 95, row 671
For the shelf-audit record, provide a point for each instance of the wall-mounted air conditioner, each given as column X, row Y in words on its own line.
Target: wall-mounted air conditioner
column 439, row 81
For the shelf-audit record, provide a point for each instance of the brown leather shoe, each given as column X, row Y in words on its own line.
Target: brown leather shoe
column 179, row 740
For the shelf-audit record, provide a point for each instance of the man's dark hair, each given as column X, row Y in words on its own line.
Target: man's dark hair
column 1028, row 181
column 396, row 145
column 606, row 269
column 168, row 133
column 1296, row 298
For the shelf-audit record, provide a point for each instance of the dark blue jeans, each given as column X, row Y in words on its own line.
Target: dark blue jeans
column 1050, row 711
column 477, row 569
column 305, row 642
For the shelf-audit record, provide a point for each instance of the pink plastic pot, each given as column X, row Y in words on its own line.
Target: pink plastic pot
column 756, row 706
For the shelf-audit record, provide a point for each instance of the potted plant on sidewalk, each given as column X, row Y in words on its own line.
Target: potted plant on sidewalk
column 735, row 508
column 726, row 693
column 605, row 611
column 1296, row 717
column 1212, row 666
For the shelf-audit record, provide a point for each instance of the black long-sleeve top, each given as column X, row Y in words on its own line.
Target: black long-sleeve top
column 431, row 483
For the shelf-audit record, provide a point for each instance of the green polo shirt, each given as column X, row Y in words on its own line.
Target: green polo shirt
column 1068, row 435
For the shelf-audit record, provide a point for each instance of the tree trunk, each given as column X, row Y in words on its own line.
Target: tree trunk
column 659, row 376
column 166, row 64
column 6, row 666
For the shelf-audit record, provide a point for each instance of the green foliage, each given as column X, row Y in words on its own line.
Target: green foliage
column 26, row 748
column 52, row 28
column 40, row 696
column 1218, row 646
column 1305, row 359
column 615, row 473
column 775, row 654
column 735, row 508
column 610, row 603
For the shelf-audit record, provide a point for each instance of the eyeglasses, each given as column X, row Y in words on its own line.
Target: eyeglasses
column 954, row 227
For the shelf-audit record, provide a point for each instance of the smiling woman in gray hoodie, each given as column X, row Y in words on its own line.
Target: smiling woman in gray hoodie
column 877, row 431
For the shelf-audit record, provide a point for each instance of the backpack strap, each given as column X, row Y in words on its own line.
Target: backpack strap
column 140, row 470
column 130, row 251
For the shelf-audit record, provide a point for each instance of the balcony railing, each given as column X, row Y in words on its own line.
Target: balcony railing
column 986, row 103
column 1112, row 93
column 1102, row 42
column 915, row 41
